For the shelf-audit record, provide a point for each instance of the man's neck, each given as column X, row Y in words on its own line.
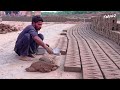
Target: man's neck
column 34, row 27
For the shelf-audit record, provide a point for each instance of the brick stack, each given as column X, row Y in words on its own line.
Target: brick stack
column 106, row 25
column 53, row 18
column 87, row 20
column 94, row 21
column 107, row 21
column 118, row 27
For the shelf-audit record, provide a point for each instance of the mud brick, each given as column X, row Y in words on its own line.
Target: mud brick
column 118, row 33
column 114, row 36
column 107, row 33
column 72, row 69
column 88, row 74
column 70, row 58
column 63, row 52
column 119, row 39
column 89, row 65
column 110, row 34
column 112, row 75
column 118, row 27
column 72, row 63
column 113, row 20
column 62, row 43
column 92, row 71
column 63, row 33
column 64, row 30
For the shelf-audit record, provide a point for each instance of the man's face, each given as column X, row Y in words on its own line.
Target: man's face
column 38, row 25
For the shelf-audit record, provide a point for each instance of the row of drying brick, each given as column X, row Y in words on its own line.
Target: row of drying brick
column 74, row 57
column 90, row 67
column 72, row 61
column 68, row 46
column 112, row 51
column 62, row 45
column 101, row 38
column 103, row 57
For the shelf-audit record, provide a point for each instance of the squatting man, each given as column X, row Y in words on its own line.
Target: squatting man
column 29, row 40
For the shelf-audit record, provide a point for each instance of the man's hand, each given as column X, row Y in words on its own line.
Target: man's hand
column 40, row 42
column 48, row 45
column 49, row 50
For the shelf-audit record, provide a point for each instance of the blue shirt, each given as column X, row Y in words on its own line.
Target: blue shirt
column 29, row 29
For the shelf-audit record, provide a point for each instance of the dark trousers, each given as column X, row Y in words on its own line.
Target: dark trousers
column 27, row 45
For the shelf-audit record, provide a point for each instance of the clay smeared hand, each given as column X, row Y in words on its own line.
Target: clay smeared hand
column 49, row 50
column 48, row 45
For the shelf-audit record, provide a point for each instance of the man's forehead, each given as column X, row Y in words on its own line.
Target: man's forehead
column 40, row 22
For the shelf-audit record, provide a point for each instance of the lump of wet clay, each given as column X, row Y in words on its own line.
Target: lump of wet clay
column 47, row 63
column 41, row 66
column 4, row 28
column 48, row 58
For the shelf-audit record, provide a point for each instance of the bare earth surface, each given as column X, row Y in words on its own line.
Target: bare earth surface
column 13, row 68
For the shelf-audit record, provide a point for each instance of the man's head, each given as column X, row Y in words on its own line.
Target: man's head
column 37, row 22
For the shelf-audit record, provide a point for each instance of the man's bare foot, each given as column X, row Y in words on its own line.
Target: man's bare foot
column 26, row 58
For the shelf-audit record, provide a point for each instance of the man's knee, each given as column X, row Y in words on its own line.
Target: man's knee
column 41, row 36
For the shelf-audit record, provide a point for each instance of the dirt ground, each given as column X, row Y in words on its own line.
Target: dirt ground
column 13, row 68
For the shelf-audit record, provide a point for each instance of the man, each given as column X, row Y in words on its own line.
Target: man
column 28, row 40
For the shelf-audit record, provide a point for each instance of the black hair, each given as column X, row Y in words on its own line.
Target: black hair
column 36, row 19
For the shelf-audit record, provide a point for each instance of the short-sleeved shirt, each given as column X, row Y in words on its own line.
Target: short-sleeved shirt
column 29, row 29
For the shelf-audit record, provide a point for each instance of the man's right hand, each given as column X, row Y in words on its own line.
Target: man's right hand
column 48, row 45
column 40, row 42
column 49, row 50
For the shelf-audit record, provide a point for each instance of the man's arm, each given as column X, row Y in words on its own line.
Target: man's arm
column 40, row 42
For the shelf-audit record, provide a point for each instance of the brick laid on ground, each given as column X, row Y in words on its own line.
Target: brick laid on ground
column 72, row 61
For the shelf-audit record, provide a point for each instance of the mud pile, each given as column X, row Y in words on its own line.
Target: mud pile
column 5, row 28
column 45, row 64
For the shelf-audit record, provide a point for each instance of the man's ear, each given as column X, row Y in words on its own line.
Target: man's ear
column 33, row 23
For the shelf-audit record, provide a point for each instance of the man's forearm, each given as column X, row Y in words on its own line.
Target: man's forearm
column 39, row 41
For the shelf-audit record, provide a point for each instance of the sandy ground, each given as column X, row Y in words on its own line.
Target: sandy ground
column 13, row 68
